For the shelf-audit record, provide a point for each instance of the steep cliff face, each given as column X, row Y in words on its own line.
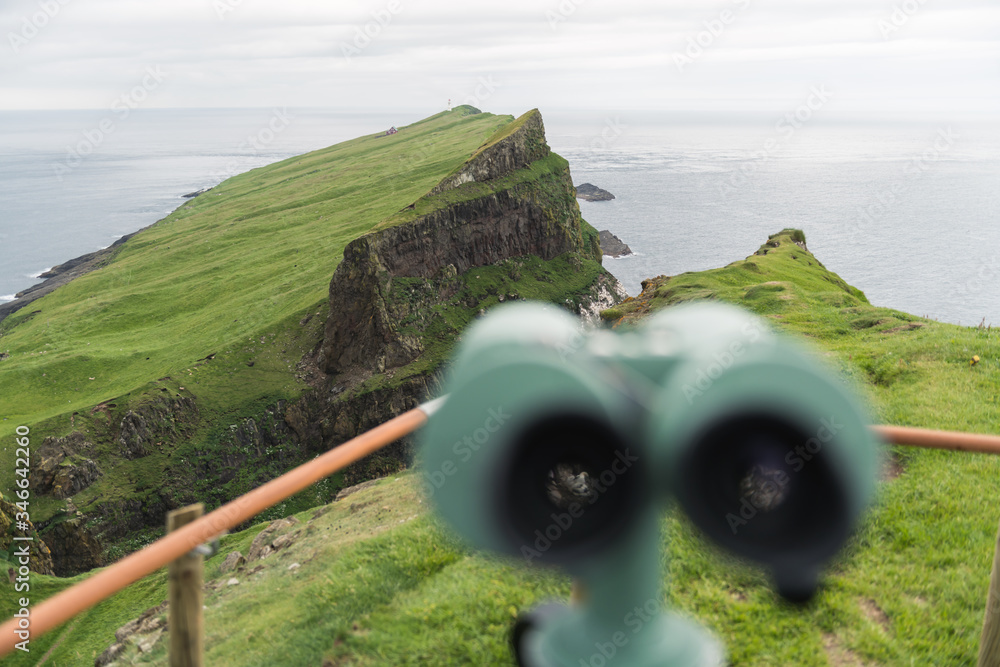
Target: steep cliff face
column 503, row 225
column 514, row 147
column 513, row 198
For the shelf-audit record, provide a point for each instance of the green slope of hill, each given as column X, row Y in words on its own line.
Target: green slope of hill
column 379, row 582
column 203, row 318
column 249, row 258
column 186, row 367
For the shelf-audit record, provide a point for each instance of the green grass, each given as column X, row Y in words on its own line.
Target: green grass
column 218, row 303
column 917, row 371
column 248, row 257
column 507, row 131
column 241, row 272
column 382, row 583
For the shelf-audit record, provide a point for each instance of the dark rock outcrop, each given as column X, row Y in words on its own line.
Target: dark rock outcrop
column 144, row 632
column 252, row 443
column 536, row 216
column 515, row 148
column 118, row 518
column 142, row 428
column 613, row 246
column 134, row 436
column 325, row 418
column 74, row 547
column 361, row 328
column 61, row 468
column 590, row 192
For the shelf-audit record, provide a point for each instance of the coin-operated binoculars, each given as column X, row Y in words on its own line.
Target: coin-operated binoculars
column 562, row 449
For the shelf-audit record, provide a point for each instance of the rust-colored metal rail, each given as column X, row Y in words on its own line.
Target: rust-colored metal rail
column 56, row 610
column 72, row 601
column 921, row 437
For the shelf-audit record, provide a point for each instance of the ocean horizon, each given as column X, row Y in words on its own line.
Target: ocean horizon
column 905, row 211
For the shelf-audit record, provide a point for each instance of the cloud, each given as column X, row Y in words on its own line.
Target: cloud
column 414, row 54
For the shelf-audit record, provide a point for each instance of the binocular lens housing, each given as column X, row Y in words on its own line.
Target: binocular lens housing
column 766, row 452
column 567, row 486
column 558, row 446
column 528, row 456
column 748, row 485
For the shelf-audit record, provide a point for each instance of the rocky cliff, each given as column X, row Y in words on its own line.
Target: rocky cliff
column 503, row 225
column 512, row 148
column 512, row 198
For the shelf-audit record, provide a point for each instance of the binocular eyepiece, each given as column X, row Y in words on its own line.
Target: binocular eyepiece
column 562, row 448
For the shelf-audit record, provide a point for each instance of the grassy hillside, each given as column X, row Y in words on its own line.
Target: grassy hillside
column 249, row 258
column 380, row 582
column 217, row 303
column 918, row 370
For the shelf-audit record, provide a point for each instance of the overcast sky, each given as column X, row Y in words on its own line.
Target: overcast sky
column 887, row 55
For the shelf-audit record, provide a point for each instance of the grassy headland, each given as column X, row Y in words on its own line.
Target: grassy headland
column 217, row 304
column 227, row 274
column 184, row 368
column 380, row 582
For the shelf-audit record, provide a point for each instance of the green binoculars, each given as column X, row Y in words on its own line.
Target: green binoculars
column 562, row 448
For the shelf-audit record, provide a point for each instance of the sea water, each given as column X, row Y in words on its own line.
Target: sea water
column 70, row 187
column 907, row 212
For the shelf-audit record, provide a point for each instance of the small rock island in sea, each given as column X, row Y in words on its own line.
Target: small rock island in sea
column 590, row 192
column 612, row 245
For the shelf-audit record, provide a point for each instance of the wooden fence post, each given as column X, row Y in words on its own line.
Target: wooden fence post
column 187, row 634
column 989, row 645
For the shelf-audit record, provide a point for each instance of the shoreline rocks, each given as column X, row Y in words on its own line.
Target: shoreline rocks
column 60, row 275
column 612, row 245
column 64, row 273
column 590, row 192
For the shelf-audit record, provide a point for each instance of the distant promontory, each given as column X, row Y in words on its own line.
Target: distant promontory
column 590, row 192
